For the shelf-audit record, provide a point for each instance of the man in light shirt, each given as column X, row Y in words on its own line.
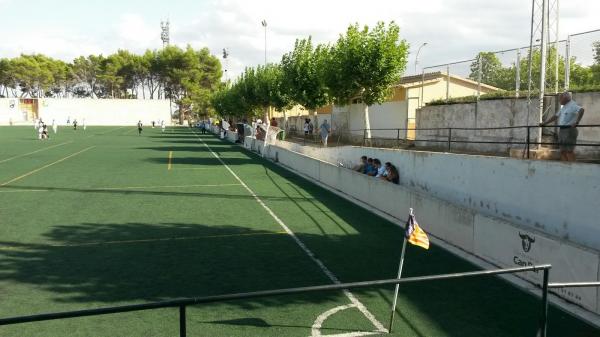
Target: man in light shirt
column 568, row 118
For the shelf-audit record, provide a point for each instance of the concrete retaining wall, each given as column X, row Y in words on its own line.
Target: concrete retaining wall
column 559, row 199
column 503, row 243
column 501, row 112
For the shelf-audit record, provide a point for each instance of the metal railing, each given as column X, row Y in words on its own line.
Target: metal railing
column 528, row 142
column 183, row 303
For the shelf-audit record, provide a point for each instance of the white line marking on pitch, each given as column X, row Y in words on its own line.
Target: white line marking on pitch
column 23, row 191
column 316, row 328
column 150, row 187
column 36, row 151
column 361, row 307
column 45, row 166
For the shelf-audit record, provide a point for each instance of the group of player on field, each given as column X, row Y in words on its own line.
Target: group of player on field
column 42, row 128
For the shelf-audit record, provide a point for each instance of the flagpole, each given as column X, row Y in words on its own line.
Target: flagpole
column 397, row 286
column 399, row 276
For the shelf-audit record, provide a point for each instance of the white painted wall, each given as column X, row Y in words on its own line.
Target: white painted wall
column 487, row 237
column 389, row 115
column 9, row 111
column 104, row 111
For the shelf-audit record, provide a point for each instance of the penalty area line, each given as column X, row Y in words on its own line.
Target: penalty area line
column 355, row 302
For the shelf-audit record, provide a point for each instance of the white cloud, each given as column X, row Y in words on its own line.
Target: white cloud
column 454, row 29
column 134, row 33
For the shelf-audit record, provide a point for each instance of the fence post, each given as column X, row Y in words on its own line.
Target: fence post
column 449, row 139
column 364, row 137
column 528, row 139
column 182, row 321
column 398, row 138
column 544, row 320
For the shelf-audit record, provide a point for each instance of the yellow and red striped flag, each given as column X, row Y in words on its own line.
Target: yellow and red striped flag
column 415, row 234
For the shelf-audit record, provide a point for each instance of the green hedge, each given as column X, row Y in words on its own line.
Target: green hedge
column 506, row 95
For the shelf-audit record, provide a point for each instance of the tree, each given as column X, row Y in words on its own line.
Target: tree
column 369, row 62
column 596, row 51
column 269, row 88
column 188, row 77
column 86, row 71
column 492, row 71
column 302, row 76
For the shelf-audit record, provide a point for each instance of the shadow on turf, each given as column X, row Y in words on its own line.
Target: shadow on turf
column 157, row 270
column 149, row 192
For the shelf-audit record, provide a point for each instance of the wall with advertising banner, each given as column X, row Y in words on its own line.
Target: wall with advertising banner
column 495, row 240
column 507, row 245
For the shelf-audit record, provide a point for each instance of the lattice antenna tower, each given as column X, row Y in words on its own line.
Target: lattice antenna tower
column 165, row 35
column 544, row 32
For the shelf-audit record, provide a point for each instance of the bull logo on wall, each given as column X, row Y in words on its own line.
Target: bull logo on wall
column 526, row 242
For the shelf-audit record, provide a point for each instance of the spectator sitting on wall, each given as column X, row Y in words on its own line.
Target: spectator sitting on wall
column 371, row 168
column 391, row 174
column 380, row 168
column 568, row 118
column 362, row 166
column 274, row 122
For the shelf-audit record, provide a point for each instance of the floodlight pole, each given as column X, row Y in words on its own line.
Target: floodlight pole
column 264, row 24
column 417, row 57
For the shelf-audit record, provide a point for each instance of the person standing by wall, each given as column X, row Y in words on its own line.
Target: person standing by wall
column 139, row 126
column 325, row 129
column 568, row 117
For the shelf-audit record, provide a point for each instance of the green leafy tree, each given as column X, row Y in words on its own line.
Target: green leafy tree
column 188, row 77
column 369, row 62
column 87, row 71
column 302, row 72
column 492, row 71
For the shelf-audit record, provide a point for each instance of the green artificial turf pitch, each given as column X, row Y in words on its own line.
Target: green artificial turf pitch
column 105, row 217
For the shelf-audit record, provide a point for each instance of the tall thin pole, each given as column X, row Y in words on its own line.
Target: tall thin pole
column 479, row 75
column 556, row 62
column 417, row 57
column 518, row 74
column 399, row 276
column 447, row 83
column 422, row 88
column 568, row 63
column 530, row 61
column 543, row 56
column 264, row 24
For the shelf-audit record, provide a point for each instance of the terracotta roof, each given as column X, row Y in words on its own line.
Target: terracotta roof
column 411, row 80
column 417, row 78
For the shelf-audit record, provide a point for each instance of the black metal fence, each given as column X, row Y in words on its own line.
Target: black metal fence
column 183, row 303
column 449, row 135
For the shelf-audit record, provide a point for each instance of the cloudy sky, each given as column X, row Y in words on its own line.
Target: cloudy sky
column 453, row 29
